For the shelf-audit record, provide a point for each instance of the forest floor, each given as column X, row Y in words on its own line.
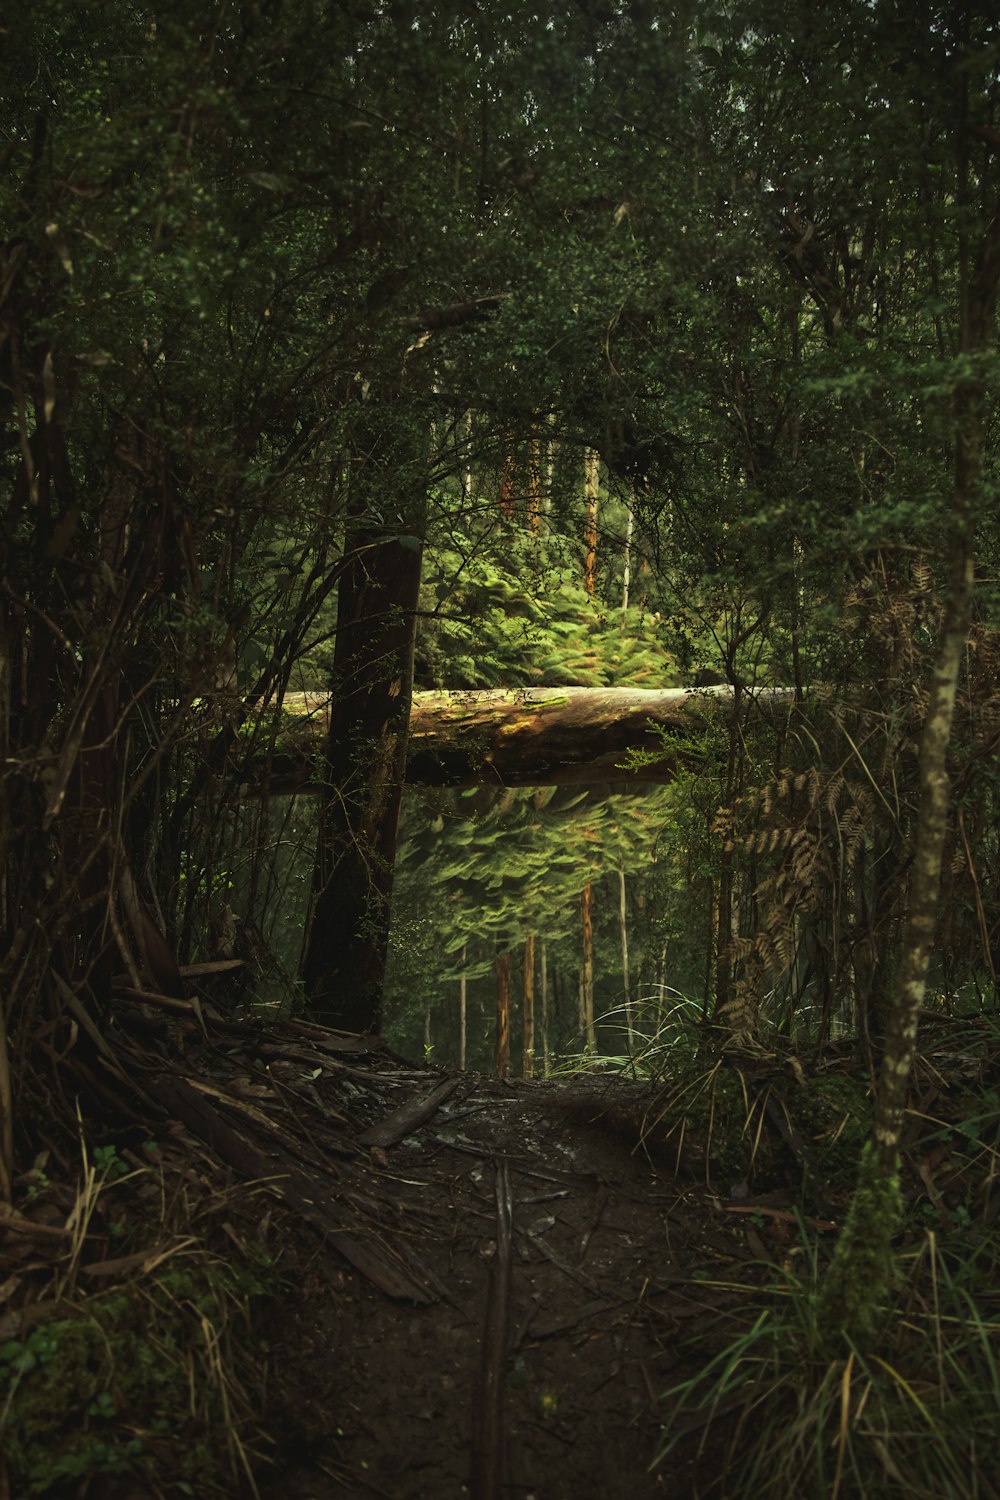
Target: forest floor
column 361, row 1277
column 555, row 1268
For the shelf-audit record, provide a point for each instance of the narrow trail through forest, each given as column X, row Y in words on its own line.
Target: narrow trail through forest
column 382, row 1279
column 532, row 1362
column 552, row 1265
column 484, row 1286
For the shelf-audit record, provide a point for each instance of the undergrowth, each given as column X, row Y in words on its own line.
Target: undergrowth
column 788, row 1407
column 139, row 1364
column 916, row 1418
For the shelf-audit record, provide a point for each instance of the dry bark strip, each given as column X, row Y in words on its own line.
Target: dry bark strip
column 487, row 1475
column 334, row 1041
column 409, row 1117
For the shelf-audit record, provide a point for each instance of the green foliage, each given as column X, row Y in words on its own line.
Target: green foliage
column 253, row 257
column 510, row 863
column 913, row 1415
column 747, row 303
column 522, row 618
column 479, row 871
column 834, row 1112
column 109, row 1390
column 108, row 1163
column 712, row 1108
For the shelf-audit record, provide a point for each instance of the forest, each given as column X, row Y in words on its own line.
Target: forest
column 499, row 703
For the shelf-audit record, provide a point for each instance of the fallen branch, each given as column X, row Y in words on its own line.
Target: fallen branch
column 409, row 1117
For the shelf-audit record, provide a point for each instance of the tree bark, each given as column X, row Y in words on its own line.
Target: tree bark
column 592, row 480
column 627, row 565
column 587, row 974
column 523, row 736
column 503, row 1015
column 463, row 985
column 860, row 1277
column 545, row 1010
column 363, row 771
column 626, row 986
column 857, row 1284
column 935, row 785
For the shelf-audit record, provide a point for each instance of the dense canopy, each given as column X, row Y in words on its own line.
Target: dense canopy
column 360, row 349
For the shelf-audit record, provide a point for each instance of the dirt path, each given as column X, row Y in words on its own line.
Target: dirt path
column 545, row 1280
column 467, row 1287
column 367, row 1278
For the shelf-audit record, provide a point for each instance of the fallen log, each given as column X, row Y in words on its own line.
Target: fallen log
column 518, row 737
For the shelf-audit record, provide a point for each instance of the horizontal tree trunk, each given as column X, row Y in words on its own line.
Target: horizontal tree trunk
column 520, row 736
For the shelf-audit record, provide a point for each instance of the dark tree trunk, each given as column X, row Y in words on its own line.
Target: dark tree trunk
column 463, row 987
column 503, row 1015
column 528, row 1010
column 587, row 1026
column 545, row 1010
column 364, row 768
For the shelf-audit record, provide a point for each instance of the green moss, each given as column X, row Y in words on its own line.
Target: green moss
column 127, row 1385
column 861, row 1277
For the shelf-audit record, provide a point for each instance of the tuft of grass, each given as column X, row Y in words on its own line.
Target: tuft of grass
column 917, row 1417
column 671, row 1030
column 151, row 1379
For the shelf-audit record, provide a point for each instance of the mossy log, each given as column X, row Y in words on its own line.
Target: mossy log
column 521, row 736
